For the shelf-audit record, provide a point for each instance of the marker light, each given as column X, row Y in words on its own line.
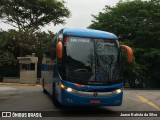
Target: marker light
column 62, row 86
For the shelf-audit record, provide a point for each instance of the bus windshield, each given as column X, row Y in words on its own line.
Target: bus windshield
column 92, row 61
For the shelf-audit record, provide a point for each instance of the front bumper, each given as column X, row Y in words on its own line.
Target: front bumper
column 72, row 99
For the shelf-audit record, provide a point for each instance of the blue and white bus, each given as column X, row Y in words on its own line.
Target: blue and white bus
column 83, row 67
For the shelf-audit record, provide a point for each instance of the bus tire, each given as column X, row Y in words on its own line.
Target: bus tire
column 54, row 99
column 44, row 91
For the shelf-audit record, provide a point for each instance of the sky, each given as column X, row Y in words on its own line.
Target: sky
column 81, row 11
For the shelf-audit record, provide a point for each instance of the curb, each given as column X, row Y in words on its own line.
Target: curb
column 19, row 84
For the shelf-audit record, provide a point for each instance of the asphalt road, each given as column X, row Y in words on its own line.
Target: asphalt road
column 31, row 98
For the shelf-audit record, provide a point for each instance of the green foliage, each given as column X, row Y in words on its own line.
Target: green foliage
column 29, row 16
column 8, row 47
column 26, row 14
column 137, row 24
column 11, row 47
column 128, row 18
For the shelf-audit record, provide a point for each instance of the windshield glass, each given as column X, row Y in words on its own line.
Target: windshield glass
column 91, row 61
column 107, row 63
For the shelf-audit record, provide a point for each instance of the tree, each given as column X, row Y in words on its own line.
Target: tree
column 126, row 19
column 9, row 49
column 32, row 14
column 137, row 24
column 29, row 16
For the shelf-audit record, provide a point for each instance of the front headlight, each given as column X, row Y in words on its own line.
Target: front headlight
column 68, row 89
column 117, row 91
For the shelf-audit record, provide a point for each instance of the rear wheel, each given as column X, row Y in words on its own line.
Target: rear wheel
column 54, row 99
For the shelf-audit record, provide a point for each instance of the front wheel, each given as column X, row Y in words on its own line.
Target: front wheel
column 54, row 99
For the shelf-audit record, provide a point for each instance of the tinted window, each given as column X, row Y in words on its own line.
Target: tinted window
column 91, row 61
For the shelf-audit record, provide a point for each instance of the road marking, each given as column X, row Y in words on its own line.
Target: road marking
column 144, row 100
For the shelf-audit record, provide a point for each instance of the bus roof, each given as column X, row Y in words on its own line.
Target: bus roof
column 88, row 33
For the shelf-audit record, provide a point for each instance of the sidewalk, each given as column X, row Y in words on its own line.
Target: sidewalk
column 18, row 84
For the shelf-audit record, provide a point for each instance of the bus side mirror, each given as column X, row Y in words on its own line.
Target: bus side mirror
column 59, row 50
column 129, row 51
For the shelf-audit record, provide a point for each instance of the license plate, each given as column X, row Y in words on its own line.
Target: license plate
column 95, row 101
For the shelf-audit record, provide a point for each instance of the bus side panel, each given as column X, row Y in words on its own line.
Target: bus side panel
column 56, row 81
column 47, row 74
